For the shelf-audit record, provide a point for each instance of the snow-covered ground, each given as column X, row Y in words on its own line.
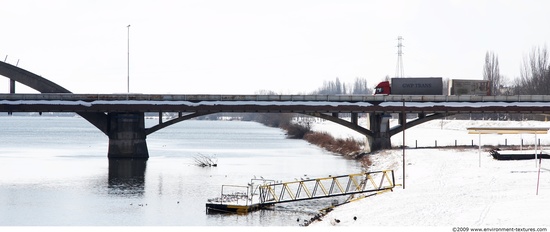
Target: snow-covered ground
column 444, row 133
column 446, row 188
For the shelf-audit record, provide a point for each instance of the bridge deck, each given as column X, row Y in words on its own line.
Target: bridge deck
column 242, row 97
column 271, row 103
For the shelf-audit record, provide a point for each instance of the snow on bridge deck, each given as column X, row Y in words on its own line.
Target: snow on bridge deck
column 267, row 103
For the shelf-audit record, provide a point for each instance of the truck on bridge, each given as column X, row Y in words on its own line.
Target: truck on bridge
column 470, row 87
column 432, row 86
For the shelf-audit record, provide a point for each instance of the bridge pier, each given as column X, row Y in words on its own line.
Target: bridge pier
column 124, row 171
column 12, row 90
column 127, row 136
column 380, row 127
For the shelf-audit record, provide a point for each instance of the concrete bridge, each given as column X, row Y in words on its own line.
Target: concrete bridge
column 121, row 116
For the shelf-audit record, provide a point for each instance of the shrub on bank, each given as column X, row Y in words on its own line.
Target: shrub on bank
column 302, row 130
column 297, row 130
column 340, row 146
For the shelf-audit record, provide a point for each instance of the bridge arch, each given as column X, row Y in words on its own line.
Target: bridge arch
column 159, row 126
column 415, row 122
column 378, row 137
column 339, row 121
column 334, row 119
column 126, row 131
column 44, row 85
column 30, row 79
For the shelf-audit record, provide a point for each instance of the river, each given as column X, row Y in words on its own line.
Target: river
column 54, row 171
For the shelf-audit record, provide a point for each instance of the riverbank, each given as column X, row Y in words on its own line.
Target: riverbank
column 446, row 187
column 305, row 128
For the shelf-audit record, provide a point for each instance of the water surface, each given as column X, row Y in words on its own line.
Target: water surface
column 55, row 171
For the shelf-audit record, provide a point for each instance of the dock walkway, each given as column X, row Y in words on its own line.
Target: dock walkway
column 243, row 199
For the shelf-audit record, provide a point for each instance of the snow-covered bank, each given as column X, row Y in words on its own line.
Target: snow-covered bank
column 443, row 132
column 446, row 187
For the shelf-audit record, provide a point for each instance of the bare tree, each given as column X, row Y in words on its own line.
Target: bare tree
column 265, row 92
column 491, row 72
column 331, row 87
column 535, row 73
column 338, row 86
column 360, row 86
column 507, row 86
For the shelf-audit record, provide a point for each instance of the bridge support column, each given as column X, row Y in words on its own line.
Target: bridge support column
column 380, row 127
column 127, row 136
column 12, row 86
column 12, row 90
column 355, row 118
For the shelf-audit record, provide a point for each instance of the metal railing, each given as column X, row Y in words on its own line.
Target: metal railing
column 326, row 187
column 241, row 97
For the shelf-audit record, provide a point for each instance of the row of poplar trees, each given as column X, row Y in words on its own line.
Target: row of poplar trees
column 358, row 86
column 534, row 77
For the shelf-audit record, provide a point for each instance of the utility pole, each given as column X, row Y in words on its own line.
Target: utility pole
column 128, row 80
column 399, row 72
column 404, row 122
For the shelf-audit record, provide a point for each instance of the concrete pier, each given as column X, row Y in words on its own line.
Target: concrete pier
column 380, row 127
column 127, row 136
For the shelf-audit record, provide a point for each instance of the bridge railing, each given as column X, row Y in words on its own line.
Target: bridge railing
column 221, row 97
column 194, row 97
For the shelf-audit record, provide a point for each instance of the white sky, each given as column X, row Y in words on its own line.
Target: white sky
column 240, row 46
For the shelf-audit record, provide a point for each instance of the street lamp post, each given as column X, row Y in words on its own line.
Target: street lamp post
column 128, row 80
column 404, row 125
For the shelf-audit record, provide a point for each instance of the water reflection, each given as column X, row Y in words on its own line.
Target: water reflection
column 127, row 176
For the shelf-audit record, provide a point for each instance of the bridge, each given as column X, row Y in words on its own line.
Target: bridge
column 121, row 116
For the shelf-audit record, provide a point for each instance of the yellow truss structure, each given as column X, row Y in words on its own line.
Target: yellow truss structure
column 326, row 187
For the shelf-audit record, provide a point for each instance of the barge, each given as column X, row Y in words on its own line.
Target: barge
column 519, row 155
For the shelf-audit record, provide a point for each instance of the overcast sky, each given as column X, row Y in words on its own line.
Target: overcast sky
column 241, row 47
